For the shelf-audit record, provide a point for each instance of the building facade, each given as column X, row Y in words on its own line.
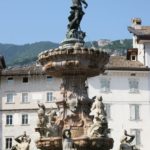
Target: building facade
column 21, row 91
column 125, row 87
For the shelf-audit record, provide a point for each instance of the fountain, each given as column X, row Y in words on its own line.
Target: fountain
column 80, row 120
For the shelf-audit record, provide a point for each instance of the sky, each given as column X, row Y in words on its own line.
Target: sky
column 29, row 21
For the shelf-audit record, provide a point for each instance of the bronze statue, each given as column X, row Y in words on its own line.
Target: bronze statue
column 126, row 143
column 76, row 14
column 75, row 18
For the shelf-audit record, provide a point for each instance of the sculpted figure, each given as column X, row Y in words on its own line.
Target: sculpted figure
column 52, row 128
column 98, row 111
column 126, row 141
column 41, row 116
column 76, row 14
column 100, row 126
column 67, row 141
column 23, row 142
column 42, row 120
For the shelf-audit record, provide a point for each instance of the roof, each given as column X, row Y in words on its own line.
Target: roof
column 115, row 63
column 121, row 63
column 141, row 31
column 22, row 71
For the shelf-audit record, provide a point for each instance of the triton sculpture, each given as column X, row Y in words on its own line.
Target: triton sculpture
column 126, row 142
column 23, row 142
column 82, row 119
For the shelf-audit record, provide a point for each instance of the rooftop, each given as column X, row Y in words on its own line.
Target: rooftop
column 121, row 63
column 115, row 63
column 141, row 31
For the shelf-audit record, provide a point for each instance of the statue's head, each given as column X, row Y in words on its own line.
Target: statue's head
column 24, row 139
column 99, row 98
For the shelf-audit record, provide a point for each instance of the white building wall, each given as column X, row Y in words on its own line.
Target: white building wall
column 120, row 99
column 140, row 47
column 147, row 54
column 37, row 88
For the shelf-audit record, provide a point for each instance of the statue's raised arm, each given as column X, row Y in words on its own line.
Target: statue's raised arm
column 85, row 3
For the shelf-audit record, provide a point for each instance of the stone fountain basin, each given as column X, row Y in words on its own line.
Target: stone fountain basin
column 73, row 60
column 81, row 143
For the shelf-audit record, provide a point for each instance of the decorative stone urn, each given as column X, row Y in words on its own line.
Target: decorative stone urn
column 84, row 117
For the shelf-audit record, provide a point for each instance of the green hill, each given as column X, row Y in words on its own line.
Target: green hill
column 23, row 54
column 27, row 54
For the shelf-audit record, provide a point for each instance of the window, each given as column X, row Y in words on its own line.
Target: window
column 49, row 78
column 25, row 98
column 49, row 96
column 10, row 98
column 8, row 142
column 134, row 112
column 9, row 120
column 10, row 80
column 137, row 139
column 133, row 57
column 25, row 80
column 105, row 85
column 25, row 119
column 134, row 85
column 108, row 110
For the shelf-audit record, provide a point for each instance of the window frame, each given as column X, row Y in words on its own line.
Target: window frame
column 25, row 80
column 49, row 78
column 49, row 99
column 24, row 119
column 8, row 143
column 134, row 112
column 8, row 98
column 25, row 97
column 105, row 85
column 10, row 80
column 137, row 134
column 133, row 85
column 9, row 120
column 108, row 110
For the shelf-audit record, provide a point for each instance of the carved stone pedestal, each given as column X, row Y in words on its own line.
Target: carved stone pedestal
column 83, row 117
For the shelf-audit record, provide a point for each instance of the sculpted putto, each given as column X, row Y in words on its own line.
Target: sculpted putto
column 97, row 110
column 100, row 126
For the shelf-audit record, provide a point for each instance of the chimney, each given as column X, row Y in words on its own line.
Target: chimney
column 136, row 23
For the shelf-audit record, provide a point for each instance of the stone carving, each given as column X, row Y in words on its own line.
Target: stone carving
column 46, row 122
column 126, row 142
column 41, row 116
column 98, row 110
column 74, row 63
column 67, row 141
column 52, row 128
column 70, row 103
column 100, row 126
column 23, row 142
